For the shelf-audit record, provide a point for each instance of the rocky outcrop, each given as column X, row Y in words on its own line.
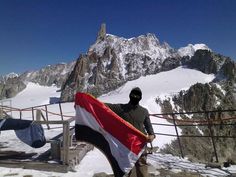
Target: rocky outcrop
column 204, row 97
column 93, row 74
column 10, row 87
column 171, row 63
column 204, row 61
column 228, row 70
column 102, row 32
column 212, row 63
column 218, row 95
column 49, row 75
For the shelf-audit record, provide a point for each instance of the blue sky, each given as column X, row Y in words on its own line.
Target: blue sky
column 36, row 33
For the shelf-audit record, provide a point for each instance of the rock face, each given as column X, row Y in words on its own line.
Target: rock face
column 102, row 32
column 204, row 61
column 111, row 61
column 49, row 75
column 12, row 83
column 9, row 87
column 212, row 63
column 218, row 95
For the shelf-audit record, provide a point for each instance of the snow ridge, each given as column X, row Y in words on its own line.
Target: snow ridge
column 190, row 49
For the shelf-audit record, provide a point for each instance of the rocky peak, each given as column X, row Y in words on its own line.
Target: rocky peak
column 102, row 33
column 113, row 60
column 165, row 45
column 145, row 45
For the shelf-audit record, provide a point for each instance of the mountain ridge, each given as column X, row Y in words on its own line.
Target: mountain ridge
column 110, row 62
column 113, row 61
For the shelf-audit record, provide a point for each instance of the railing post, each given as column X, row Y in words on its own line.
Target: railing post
column 1, row 112
column 46, row 110
column 32, row 113
column 38, row 115
column 60, row 110
column 10, row 106
column 178, row 138
column 20, row 114
column 211, row 135
column 66, row 137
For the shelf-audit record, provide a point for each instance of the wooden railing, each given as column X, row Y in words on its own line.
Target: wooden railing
column 40, row 115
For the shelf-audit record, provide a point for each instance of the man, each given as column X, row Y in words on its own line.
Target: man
column 138, row 116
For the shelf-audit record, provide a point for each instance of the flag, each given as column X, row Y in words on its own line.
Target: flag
column 122, row 143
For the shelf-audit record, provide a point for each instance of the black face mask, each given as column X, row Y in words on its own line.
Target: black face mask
column 134, row 101
column 134, row 98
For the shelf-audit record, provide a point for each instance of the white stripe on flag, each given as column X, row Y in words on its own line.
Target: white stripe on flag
column 125, row 158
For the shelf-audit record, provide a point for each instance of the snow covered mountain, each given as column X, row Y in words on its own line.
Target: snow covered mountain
column 178, row 79
column 111, row 61
column 13, row 83
column 49, row 75
column 113, row 65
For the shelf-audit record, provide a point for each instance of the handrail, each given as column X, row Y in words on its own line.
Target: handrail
column 64, row 122
column 206, row 120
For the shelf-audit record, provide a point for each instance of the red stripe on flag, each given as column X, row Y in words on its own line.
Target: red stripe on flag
column 128, row 135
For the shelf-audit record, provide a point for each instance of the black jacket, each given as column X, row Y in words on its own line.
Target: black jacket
column 136, row 115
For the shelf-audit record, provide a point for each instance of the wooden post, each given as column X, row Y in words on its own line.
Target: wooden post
column 1, row 110
column 46, row 110
column 66, row 141
column 11, row 106
column 32, row 113
column 1, row 113
column 56, row 149
column 38, row 115
column 20, row 114
column 45, row 119
column 60, row 110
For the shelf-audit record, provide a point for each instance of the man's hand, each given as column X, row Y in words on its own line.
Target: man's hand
column 150, row 138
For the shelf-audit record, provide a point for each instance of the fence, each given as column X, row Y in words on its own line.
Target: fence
column 43, row 115
column 210, row 119
column 5, row 103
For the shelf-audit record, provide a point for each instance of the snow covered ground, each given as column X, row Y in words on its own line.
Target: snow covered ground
column 161, row 84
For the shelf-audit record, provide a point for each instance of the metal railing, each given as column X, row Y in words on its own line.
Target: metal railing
column 210, row 119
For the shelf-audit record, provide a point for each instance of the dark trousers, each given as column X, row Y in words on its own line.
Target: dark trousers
column 141, row 168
